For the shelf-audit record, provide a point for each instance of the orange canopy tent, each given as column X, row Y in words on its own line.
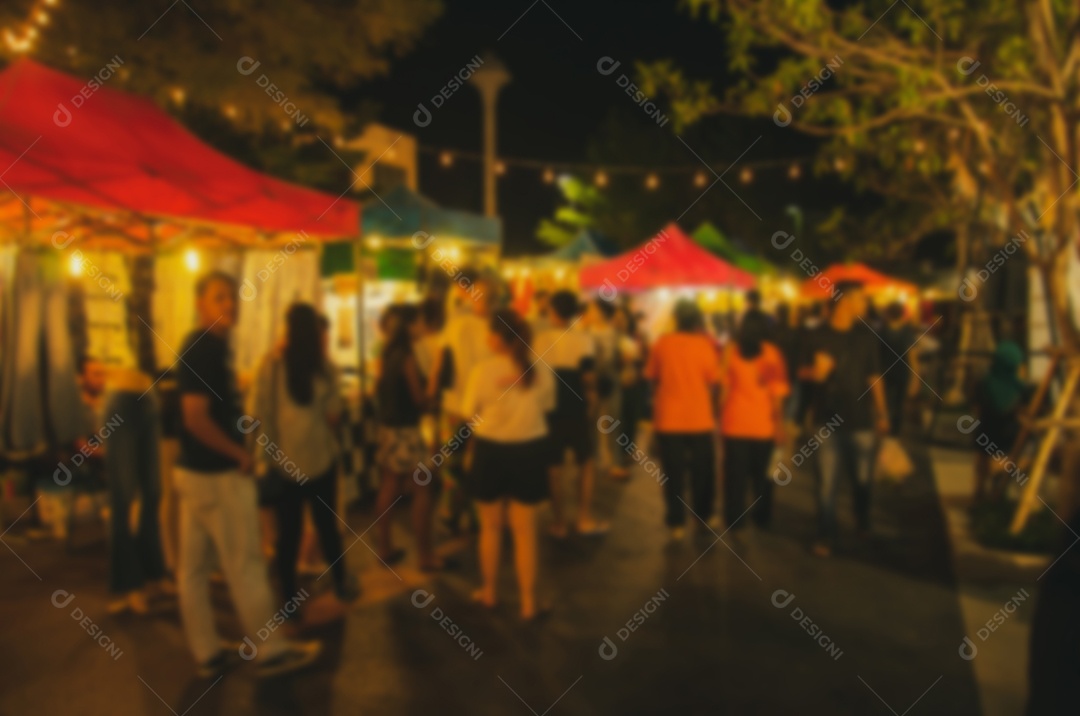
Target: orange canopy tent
column 875, row 282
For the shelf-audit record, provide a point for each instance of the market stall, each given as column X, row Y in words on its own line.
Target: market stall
column 668, row 266
column 113, row 210
column 409, row 243
column 879, row 286
column 556, row 270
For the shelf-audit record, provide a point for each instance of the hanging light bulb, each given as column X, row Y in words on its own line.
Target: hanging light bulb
column 191, row 259
column 230, row 111
column 75, row 266
column 601, row 178
column 446, row 159
column 42, row 18
column 178, row 95
column 794, row 172
column 746, row 175
column 919, row 146
column 500, row 167
column 549, row 175
column 700, row 179
column 839, row 164
column 652, row 182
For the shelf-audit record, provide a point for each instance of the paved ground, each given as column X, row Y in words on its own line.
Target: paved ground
column 710, row 640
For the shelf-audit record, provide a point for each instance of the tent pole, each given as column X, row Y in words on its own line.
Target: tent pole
column 361, row 342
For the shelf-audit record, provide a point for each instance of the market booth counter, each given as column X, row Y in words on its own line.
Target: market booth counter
column 114, row 210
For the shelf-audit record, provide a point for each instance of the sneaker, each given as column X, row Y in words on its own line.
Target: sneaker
column 298, row 655
column 225, row 659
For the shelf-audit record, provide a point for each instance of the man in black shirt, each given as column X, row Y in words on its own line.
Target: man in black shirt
column 218, row 512
column 844, row 360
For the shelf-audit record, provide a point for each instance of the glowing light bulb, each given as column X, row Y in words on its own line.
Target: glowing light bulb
column 446, row 159
column 746, row 175
column 191, row 259
column 601, row 178
column 500, row 167
column 794, row 172
column 652, row 182
column 549, row 175
column 700, row 179
column 75, row 266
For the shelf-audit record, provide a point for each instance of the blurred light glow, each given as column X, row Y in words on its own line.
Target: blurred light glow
column 191, row 259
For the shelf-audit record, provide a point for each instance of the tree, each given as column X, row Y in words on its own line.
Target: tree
column 582, row 201
column 971, row 106
column 225, row 55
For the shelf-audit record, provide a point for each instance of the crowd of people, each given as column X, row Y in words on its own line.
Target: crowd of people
column 486, row 414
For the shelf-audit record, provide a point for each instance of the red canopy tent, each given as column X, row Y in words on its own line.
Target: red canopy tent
column 669, row 259
column 820, row 286
column 65, row 146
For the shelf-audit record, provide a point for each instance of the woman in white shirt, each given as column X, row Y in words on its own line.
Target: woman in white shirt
column 509, row 469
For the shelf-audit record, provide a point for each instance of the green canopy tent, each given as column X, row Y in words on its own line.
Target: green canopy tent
column 713, row 240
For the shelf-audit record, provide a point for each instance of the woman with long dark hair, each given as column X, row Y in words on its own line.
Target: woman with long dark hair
column 297, row 401
column 509, row 398
column 754, row 384
column 401, row 456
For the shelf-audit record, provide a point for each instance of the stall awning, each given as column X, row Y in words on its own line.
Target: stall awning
column 400, row 214
column 670, row 259
column 67, row 141
column 821, row 285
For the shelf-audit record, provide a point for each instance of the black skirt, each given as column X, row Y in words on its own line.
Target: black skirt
column 515, row 471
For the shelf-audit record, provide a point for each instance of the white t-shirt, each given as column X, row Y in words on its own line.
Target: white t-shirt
column 508, row 410
column 568, row 354
column 564, row 349
column 466, row 336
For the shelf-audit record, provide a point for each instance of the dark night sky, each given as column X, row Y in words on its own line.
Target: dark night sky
column 556, row 101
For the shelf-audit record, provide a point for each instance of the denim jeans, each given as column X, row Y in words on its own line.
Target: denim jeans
column 39, row 395
column 692, row 454
column 218, row 515
column 854, row 453
column 132, row 469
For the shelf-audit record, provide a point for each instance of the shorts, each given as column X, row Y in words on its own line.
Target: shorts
column 514, row 471
column 399, row 450
column 574, row 434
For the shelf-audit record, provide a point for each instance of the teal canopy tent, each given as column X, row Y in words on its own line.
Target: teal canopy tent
column 401, row 221
column 586, row 243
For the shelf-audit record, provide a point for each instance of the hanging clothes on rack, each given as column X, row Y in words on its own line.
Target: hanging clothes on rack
column 39, row 394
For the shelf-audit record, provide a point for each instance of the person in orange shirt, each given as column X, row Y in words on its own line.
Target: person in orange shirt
column 754, row 384
column 684, row 369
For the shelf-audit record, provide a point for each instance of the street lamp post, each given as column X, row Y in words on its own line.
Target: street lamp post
column 488, row 80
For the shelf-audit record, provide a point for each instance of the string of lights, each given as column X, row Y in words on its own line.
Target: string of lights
column 21, row 38
column 601, row 173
